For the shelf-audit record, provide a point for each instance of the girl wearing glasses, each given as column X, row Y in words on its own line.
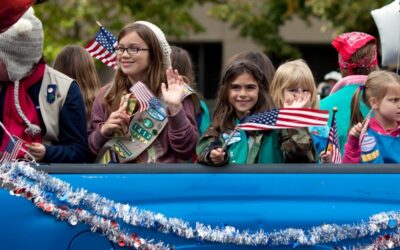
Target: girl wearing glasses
column 147, row 114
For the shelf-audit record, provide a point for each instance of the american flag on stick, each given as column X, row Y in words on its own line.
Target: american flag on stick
column 142, row 94
column 12, row 148
column 333, row 142
column 102, row 47
column 285, row 118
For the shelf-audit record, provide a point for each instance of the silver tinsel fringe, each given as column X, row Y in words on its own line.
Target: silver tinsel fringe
column 131, row 215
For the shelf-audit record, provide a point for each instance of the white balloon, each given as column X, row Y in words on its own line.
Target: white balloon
column 387, row 19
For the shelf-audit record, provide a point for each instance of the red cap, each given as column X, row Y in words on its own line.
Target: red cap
column 348, row 43
column 11, row 11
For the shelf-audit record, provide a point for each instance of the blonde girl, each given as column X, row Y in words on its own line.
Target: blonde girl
column 376, row 139
column 293, row 86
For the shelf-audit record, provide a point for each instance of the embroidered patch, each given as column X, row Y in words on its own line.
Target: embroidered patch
column 131, row 107
column 51, row 93
column 147, row 123
column 140, row 133
column 121, row 149
column 235, row 138
column 370, row 157
column 157, row 114
column 368, row 144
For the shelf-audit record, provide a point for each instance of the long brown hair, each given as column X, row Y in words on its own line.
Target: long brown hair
column 76, row 62
column 224, row 114
column 376, row 86
column 155, row 71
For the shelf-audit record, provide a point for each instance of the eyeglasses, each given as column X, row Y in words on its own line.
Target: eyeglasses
column 131, row 51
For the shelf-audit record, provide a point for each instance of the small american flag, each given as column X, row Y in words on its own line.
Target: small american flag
column 286, row 118
column 142, row 94
column 11, row 150
column 333, row 141
column 102, row 47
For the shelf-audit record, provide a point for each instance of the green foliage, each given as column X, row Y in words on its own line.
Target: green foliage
column 262, row 19
column 74, row 21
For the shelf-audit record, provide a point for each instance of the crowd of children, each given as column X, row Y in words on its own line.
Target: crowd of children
column 151, row 113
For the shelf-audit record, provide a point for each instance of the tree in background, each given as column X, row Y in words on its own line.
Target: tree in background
column 74, row 21
column 262, row 19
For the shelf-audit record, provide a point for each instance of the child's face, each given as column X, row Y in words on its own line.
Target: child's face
column 133, row 64
column 387, row 111
column 296, row 97
column 243, row 94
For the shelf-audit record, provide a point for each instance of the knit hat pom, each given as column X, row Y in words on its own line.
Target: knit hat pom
column 21, row 45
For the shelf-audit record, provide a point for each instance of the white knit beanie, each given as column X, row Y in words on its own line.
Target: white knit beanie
column 162, row 41
column 21, row 46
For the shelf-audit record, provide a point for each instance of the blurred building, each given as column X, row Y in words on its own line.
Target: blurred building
column 211, row 49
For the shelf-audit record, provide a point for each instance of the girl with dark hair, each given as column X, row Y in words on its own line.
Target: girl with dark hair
column 242, row 91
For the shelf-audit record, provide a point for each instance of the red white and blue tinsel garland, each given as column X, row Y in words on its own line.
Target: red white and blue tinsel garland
column 109, row 217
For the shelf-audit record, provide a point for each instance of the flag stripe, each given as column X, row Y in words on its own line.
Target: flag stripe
column 286, row 118
column 142, row 94
column 323, row 114
column 102, row 47
column 334, row 142
column 301, row 119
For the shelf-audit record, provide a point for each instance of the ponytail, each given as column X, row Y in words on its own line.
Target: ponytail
column 356, row 115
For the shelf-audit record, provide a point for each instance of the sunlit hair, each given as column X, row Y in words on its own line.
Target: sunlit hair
column 224, row 114
column 292, row 75
column 76, row 62
column 376, row 86
column 259, row 59
column 155, row 71
column 366, row 54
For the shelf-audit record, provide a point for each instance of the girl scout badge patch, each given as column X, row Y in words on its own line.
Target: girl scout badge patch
column 368, row 144
column 235, row 138
column 51, row 92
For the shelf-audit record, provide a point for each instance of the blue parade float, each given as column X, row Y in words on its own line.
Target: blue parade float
column 239, row 207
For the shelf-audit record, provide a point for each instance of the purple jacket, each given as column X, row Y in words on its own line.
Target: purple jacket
column 176, row 143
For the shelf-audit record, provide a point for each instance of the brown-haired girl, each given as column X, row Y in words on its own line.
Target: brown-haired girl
column 165, row 130
column 377, row 139
column 76, row 62
column 242, row 91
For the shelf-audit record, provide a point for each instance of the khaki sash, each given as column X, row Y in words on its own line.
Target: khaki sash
column 144, row 129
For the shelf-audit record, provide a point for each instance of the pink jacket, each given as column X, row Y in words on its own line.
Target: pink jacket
column 352, row 150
